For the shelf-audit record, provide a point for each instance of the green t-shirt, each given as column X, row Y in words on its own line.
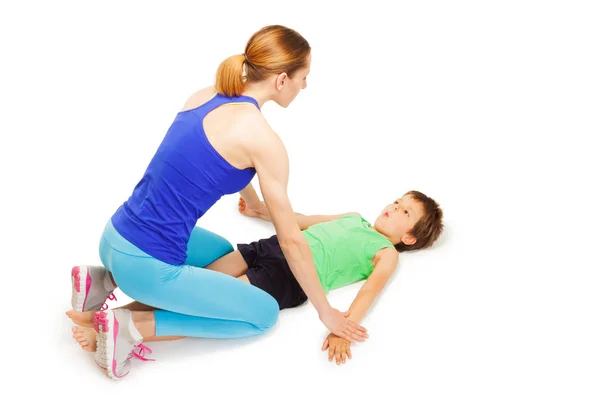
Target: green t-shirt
column 343, row 250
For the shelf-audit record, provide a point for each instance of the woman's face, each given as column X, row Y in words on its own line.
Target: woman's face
column 288, row 88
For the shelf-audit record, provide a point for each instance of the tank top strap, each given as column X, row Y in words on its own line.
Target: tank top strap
column 219, row 100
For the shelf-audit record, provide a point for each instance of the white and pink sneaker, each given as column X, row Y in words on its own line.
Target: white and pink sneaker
column 90, row 288
column 117, row 341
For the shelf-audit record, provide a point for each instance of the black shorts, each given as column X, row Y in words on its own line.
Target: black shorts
column 269, row 271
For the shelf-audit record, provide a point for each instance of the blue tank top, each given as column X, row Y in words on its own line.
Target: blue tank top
column 184, row 179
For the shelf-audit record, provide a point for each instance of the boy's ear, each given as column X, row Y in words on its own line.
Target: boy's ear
column 409, row 240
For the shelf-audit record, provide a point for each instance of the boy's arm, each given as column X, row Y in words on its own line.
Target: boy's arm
column 304, row 221
column 385, row 262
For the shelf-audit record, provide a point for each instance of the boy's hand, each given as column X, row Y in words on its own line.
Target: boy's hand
column 258, row 212
column 338, row 347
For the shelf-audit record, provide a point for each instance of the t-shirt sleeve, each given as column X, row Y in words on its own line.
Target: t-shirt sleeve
column 373, row 246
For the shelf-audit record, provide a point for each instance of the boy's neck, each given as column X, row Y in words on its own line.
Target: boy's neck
column 384, row 235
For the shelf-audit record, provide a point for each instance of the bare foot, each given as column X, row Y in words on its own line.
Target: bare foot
column 82, row 318
column 86, row 337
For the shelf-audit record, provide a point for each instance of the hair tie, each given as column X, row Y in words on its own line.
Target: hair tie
column 246, row 59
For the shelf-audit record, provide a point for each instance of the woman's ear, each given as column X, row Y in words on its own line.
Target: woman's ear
column 281, row 81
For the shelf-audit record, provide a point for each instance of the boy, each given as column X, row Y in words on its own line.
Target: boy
column 346, row 249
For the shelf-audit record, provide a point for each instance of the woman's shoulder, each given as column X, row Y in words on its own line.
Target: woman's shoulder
column 198, row 98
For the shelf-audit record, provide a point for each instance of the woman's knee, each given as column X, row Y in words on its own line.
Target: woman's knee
column 269, row 313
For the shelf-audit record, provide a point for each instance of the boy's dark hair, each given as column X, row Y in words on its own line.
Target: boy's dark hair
column 428, row 228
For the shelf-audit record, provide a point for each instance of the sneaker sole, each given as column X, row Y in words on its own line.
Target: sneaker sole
column 105, row 345
column 79, row 288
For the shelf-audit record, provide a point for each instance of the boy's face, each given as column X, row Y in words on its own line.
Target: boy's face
column 398, row 218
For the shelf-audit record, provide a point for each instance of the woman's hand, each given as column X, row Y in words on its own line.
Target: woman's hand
column 341, row 326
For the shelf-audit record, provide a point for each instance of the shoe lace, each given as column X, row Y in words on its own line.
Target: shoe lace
column 100, row 320
column 142, row 352
column 111, row 296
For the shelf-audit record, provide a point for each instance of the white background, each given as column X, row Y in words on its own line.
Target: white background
column 488, row 107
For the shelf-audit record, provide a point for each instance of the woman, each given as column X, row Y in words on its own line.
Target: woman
column 215, row 146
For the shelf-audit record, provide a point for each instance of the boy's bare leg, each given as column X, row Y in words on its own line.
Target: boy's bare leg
column 231, row 264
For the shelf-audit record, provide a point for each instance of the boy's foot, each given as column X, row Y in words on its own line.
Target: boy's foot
column 88, row 288
column 117, row 341
column 85, row 319
column 85, row 337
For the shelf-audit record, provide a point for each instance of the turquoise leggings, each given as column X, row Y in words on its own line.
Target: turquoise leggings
column 193, row 301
